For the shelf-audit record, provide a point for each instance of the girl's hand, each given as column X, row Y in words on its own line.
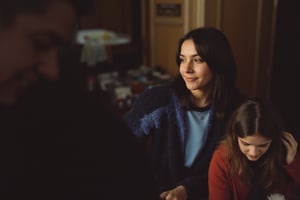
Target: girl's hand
column 291, row 145
column 178, row 193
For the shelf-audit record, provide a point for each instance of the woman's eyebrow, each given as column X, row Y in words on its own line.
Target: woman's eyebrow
column 193, row 55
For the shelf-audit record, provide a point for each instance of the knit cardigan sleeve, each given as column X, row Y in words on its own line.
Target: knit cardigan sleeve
column 146, row 111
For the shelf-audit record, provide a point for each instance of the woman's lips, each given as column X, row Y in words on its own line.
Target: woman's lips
column 190, row 79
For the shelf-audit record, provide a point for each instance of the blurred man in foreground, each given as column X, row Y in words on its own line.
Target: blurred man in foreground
column 55, row 141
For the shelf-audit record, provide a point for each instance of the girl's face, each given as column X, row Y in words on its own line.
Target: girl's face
column 193, row 69
column 253, row 147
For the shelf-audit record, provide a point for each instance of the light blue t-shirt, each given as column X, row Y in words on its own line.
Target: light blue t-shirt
column 196, row 136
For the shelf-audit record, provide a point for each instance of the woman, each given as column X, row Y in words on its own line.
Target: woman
column 257, row 159
column 182, row 121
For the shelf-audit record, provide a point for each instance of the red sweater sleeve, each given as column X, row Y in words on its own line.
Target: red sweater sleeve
column 293, row 169
column 218, row 179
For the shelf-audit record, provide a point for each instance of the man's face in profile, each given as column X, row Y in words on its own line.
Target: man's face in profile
column 28, row 48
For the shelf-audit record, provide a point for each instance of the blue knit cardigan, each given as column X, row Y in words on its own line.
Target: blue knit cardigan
column 157, row 115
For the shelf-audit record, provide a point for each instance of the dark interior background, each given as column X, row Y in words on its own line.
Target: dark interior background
column 286, row 64
column 286, row 61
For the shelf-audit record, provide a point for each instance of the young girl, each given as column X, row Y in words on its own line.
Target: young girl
column 257, row 159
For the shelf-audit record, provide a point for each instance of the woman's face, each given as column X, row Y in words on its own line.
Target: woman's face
column 194, row 70
column 253, row 147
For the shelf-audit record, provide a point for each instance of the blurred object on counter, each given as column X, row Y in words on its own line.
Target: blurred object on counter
column 126, row 88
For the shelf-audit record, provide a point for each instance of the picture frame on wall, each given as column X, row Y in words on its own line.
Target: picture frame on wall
column 168, row 9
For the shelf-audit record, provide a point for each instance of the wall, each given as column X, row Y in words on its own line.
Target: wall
column 249, row 26
column 166, row 29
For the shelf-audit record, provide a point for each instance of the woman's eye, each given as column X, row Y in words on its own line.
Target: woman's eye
column 198, row 60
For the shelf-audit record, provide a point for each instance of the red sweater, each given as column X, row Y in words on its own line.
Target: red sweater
column 223, row 186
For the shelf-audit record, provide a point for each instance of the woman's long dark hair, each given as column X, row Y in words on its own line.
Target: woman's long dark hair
column 213, row 47
column 257, row 116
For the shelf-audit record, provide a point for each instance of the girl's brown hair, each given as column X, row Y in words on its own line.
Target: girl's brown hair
column 260, row 117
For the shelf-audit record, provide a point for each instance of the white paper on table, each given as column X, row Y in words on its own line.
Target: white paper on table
column 92, row 52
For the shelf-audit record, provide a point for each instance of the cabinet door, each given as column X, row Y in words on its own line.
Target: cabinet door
column 249, row 26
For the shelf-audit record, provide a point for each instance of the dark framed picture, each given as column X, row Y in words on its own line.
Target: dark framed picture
column 168, row 9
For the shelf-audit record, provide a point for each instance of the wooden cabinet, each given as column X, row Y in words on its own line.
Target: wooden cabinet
column 250, row 27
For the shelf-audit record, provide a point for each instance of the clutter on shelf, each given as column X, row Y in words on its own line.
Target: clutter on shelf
column 126, row 88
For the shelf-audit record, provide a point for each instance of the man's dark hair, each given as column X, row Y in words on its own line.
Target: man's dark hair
column 10, row 8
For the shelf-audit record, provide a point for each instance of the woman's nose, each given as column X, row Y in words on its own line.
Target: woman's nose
column 188, row 66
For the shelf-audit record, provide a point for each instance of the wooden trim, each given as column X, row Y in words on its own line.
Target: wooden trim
column 169, row 21
column 152, row 31
column 257, row 46
column 200, row 14
column 219, row 14
column 272, row 45
column 186, row 13
column 144, row 33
